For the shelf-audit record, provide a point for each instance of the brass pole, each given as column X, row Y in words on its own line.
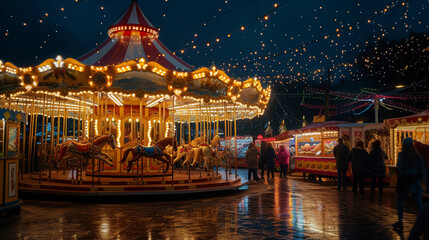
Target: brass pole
column 189, row 125
column 235, row 142
column 225, row 137
column 24, row 140
column 65, row 120
column 141, row 123
column 30, row 137
column 52, row 135
column 173, row 134
column 93, row 140
column 43, row 130
column 79, row 138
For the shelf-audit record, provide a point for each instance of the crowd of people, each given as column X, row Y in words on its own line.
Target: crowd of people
column 412, row 166
column 265, row 159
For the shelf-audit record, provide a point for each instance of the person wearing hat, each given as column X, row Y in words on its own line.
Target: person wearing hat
column 410, row 174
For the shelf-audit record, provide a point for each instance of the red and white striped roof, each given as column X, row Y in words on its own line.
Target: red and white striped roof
column 127, row 45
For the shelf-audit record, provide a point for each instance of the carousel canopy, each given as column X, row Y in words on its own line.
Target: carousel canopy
column 133, row 36
column 419, row 118
column 145, row 81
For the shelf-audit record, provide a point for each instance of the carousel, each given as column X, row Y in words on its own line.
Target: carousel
column 128, row 117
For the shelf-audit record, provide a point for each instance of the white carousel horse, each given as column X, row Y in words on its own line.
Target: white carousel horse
column 183, row 149
column 206, row 152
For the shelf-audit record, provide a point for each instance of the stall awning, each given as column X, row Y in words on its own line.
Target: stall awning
column 317, row 127
column 419, row 118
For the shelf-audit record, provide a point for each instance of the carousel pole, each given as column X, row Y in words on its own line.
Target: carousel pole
column 58, row 122
column 52, row 135
column 34, row 137
column 30, row 137
column 217, row 133
column 141, row 122
column 196, row 124
column 78, row 120
column 160, row 121
column 24, row 139
column 164, row 128
column 235, row 142
column 74, row 126
column 200, row 117
column 180, row 133
column 43, row 131
column 105, row 115
column 93, row 140
column 140, row 136
column 225, row 128
column 93, row 130
column 65, row 119
column 189, row 125
column 173, row 135
column 45, row 146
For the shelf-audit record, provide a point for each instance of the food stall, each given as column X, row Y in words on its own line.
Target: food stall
column 415, row 126
column 314, row 148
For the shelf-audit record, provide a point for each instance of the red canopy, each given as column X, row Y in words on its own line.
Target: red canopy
column 133, row 36
column 419, row 118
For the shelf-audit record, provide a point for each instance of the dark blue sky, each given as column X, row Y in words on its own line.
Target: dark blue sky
column 77, row 29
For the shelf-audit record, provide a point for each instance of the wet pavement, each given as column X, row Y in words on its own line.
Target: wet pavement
column 279, row 209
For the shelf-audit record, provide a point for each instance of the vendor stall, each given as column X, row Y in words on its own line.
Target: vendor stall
column 314, row 148
column 415, row 126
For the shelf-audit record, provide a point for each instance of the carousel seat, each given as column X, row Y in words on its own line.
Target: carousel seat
column 148, row 150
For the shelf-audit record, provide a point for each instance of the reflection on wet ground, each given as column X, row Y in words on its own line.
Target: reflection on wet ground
column 279, row 209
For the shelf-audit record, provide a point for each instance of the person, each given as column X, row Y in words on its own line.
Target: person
column 270, row 159
column 263, row 160
column 340, row 154
column 424, row 151
column 377, row 167
column 252, row 156
column 346, row 141
column 410, row 174
column 421, row 225
column 283, row 157
column 358, row 156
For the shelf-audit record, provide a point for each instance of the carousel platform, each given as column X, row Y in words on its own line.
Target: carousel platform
column 63, row 184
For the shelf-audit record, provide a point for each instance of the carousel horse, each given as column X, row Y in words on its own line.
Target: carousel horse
column 206, row 152
column 87, row 149
column 155, row 151
column 184, row 149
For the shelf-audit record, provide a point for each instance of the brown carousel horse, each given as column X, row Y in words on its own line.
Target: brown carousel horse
column 72, row 149
column 155, row 151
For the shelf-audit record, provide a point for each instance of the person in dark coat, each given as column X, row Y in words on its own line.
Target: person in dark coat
column 252, row 156
column 358, row 156
column 340, row 154
column 377, row 166
column 270, row 158
column 424, row 151
column 410, row 174
column 263, row 160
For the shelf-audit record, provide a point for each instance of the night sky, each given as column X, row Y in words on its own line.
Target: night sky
column 276, row 43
